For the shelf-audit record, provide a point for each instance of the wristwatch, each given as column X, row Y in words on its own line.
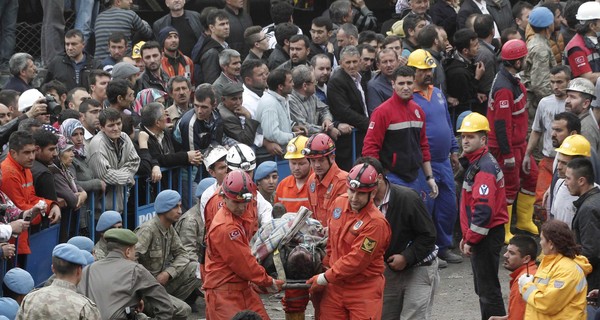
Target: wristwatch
column 427, row 178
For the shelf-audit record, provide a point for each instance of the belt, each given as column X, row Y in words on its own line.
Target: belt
column 238, row 286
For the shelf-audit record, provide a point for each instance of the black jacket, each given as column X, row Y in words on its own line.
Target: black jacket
column 207, row 68
column 165, row 153
column 460, row 81
column 148, row 81
column 413, row 232
column 61, row 69
column 346, row 106
column 237, row 25
column 500, row 10
column 444, row 16
column 192, row 17
column 586, row 225
column 278, row 57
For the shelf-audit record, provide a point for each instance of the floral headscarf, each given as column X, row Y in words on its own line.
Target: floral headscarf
column 67, row 128
column 145, row 97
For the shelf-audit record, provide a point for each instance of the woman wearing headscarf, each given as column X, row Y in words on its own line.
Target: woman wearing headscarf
column 148, row 96
column 73, row 131
column 558, row 290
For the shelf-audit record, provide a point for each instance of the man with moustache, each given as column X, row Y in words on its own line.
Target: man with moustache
column 322, row 69
column 380, row 88
column 519, row 259
column 292, row 191
column 299, row 52
column 179, row 89
column 443, row 149
column 231, row 65
column 153, row 76
column 580, row 95
column 547, row 108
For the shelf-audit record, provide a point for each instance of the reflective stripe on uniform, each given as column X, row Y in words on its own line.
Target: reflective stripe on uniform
column 480, row 230
column 405, row 125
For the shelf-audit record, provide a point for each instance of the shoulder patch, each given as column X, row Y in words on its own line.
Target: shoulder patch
column 417, row 113
column 368, row 245
column 337, row 212
column 371, row 125
column 484, row 190
column 313, row 185
column 559, row 284
column 234, row 234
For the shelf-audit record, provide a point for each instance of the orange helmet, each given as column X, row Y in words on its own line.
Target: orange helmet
column 318, row 146
column 513, row 50
column 362, row 178
column 238, row 186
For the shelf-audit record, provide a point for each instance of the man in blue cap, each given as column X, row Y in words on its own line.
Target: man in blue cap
column 159, row 249
column 16, row 284
column 266, row 178
column 118, row 283
column 108, row 220
column 60, row 300
column 83, row 243
column 190, row 226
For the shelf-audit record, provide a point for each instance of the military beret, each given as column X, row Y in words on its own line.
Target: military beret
column 18, row 281
column 232, row 88
column 203, row 185
column 541, row 17
column 124, row 236
column 89, row 258
column 4, row 318
column 265, row 169
column 69, row 253
column 8, row 308
column 166, row 200
column 83, row 243
column 107, row 220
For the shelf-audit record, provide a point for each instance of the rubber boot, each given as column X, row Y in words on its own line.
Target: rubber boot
column 507, row 234
column 525, row 213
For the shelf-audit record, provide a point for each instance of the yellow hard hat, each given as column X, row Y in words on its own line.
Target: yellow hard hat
column 575, row 145
column 421, row 59
column 474, row 122
column 136, row 52
column 396, row 29
column 294, row 148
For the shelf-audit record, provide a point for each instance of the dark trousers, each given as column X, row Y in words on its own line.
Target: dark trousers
column 485, row 260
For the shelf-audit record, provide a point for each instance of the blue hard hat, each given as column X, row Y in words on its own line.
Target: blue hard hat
column 541, row 17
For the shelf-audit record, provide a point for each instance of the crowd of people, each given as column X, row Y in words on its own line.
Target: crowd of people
column 395, row 131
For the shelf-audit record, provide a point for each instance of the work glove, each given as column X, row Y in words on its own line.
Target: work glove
column 317, row 283
column 524, row 279
column 277, row 286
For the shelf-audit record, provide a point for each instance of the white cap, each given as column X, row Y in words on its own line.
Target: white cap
column 588, row 11
column 214, row 155
column 28, row 98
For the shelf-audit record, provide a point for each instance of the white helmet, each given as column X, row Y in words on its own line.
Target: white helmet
column 588, row 11
column 215, row 154
column 28, row 98
column 582, row 85
column 240, row 156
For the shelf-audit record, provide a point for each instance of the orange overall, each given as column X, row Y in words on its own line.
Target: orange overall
column 321, row 194
column 231, row 267
column 355, row 249
column 287, row 193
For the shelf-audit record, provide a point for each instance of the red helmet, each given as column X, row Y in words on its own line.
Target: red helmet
column 238, row 186
column 318, row 146
column 513, row 50
column 362, row 178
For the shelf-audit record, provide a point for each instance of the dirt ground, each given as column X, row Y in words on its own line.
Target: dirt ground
column 455, row 298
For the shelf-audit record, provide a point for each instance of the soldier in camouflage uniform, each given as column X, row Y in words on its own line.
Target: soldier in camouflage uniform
column 117, row 283
column 108, row 220
column 159, row 249
column 61, row 300
column 190, row 226
column 540, row 59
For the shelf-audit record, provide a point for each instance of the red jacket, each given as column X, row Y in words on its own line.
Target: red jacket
column 483, row 200
column 397, row 137
column 321, row 194
column 582, row 56
column 17, row 184
column 507, row 113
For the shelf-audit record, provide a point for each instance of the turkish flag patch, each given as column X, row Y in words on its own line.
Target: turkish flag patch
column 234, row 234
column 503, row 104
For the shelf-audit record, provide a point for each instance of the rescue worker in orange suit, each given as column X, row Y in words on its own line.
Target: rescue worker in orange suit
column 292, row 191
column 327, row 181
column 482, row 213
column 508, row 118
column 359, row 235
column 232, row 272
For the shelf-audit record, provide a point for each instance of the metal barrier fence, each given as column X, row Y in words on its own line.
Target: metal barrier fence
column 40, row 260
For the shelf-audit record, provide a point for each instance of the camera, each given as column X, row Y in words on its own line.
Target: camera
column 52, row 106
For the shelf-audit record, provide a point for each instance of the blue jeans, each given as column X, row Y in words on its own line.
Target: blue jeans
column 87, row 11
column 9, row 10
